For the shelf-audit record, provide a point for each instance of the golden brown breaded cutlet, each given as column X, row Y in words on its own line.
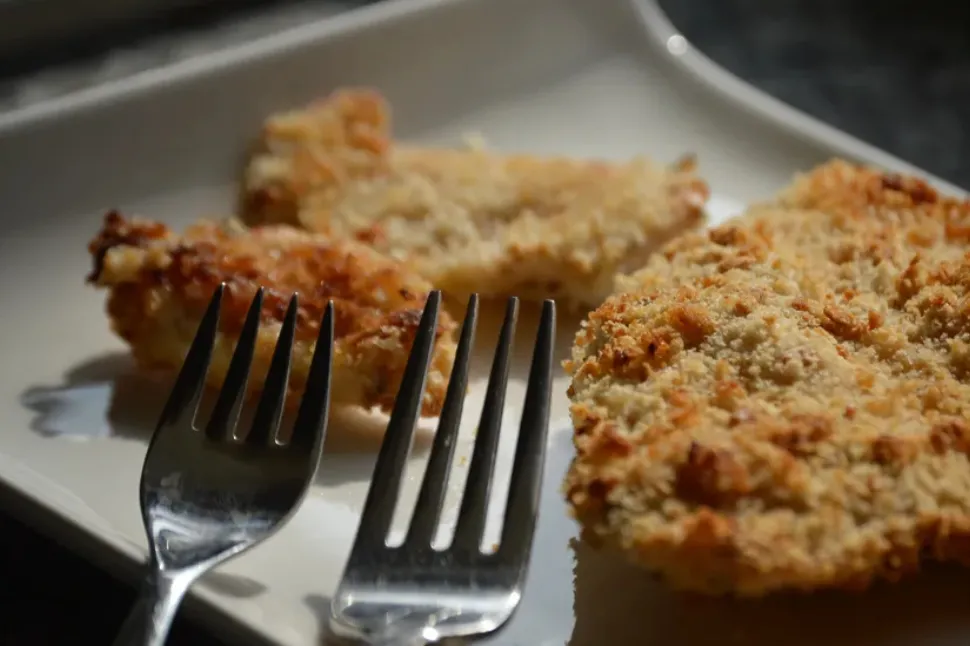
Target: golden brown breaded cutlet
column 468, row 220
column 784, row 401
column 160, row 283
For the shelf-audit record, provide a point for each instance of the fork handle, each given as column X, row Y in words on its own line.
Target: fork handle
column 150, row 620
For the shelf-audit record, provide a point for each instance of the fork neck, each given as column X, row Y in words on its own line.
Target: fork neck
column 170, row 590
column 151, row 620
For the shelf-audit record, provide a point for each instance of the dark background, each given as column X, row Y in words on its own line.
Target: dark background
column 894, row 73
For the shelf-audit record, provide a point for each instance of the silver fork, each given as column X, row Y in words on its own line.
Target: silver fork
column 208, row 495
column 413, row 593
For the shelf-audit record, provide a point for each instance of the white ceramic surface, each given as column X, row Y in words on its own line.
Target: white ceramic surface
column 565, row 76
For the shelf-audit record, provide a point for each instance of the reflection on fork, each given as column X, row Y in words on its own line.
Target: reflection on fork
column 208, row 494
column 415, row 593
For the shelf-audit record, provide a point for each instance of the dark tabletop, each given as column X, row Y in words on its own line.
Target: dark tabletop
column 895, row 73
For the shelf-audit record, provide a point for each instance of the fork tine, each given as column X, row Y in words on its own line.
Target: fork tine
column 474, row 502
column 311, row 421
column 266, row 419
column 382, row 496
column 187, row 390
column 526, row 481
column 427, row 510
column 225, row 413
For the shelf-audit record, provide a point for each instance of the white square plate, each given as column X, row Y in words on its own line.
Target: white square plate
column 609, row 78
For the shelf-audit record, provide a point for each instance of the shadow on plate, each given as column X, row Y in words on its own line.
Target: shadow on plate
column 618, row 604
column 108, row 397
column 84, row 404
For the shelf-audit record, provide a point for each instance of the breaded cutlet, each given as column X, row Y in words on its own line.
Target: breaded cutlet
column 783, row 401
column 159, row 284
column 468, row 220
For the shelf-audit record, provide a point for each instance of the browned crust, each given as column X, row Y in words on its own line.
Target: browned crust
column 469, row 220
column 782, row 401
column 160, row 283
column 334, row 142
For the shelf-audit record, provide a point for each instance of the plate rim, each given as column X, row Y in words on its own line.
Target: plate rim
column 96, row 97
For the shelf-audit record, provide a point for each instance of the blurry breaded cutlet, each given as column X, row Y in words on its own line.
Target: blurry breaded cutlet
column 468, row 220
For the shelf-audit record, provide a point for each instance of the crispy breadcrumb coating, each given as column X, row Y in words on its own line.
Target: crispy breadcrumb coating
column 468, row 220
column 160, row 283
column 783, row 401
